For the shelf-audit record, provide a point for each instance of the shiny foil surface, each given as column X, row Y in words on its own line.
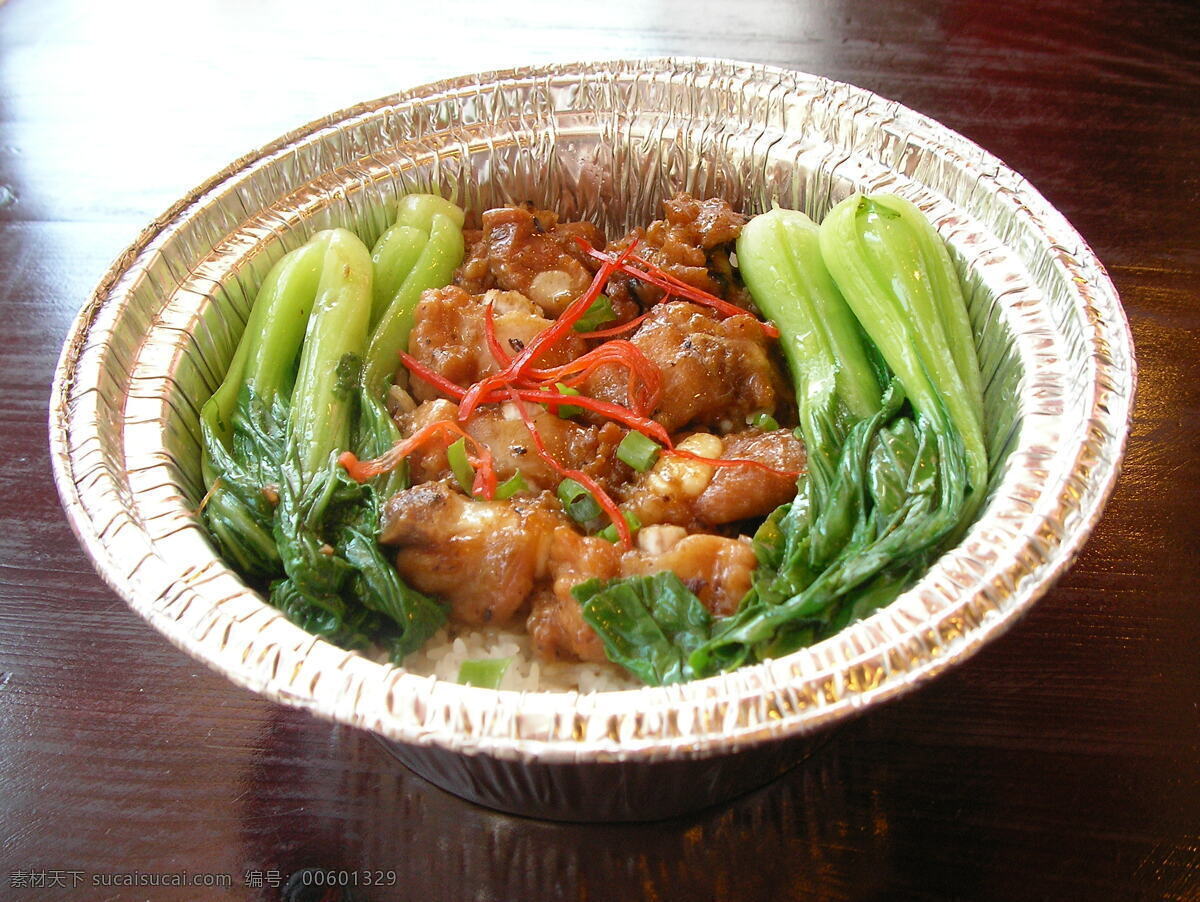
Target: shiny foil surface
column 606, row 142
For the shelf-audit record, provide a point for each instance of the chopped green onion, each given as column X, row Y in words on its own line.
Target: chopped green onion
column 566, row 411
column 765, row 422
column 456, row 455
column 609, row 533
column 578, row 501
column 638, row 451
column 486, row 673
column 597, row 315
column 511, row 486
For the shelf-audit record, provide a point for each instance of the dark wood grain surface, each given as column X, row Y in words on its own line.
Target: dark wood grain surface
column 1063, row 762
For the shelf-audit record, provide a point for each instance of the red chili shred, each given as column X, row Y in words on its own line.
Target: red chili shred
column 734, row 462
column 669, row 284
column 501, row 357
column 602, row 497
column 626, row 326
column 442, row 430
column 542, row 342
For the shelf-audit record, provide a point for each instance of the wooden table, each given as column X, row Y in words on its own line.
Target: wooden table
column 1063, row 762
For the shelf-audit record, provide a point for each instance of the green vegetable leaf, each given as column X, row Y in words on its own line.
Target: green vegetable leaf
column 328, row 616
column 649, row 624
column 378, row 587
column 889, row 475
column 393, row 258
column 925, row 517
column 435, row 225
column 279, row 504
column 243, row 423
column 895, row 272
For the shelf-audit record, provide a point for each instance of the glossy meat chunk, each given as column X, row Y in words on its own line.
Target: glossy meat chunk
column 718, row 570
column 556, row 625
column 428, row 463
column 738, row 493
column 692, row 244
column 714, row 371
column 668, row 491
column 575, row 445
column 696, row 495
column 449, row 337
column 495, row 561
column 481, row 557
column 527, row 250
column 702, row 223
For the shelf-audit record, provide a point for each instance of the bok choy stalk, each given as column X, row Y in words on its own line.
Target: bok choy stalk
column 243, row 423
column 897, row 276
column 419, row 251
column 280, row 506
column 338, row 584
column 399, row 248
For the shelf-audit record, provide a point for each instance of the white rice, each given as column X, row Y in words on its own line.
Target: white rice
column 444, row 654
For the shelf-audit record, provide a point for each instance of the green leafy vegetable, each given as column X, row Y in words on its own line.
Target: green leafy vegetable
column 887, row 483
column 306, row 383
column 441, row 255
column 243, row 423
column 650, row 624
column 439, row 226
column 834, row 369
column 325, row 525
column 897, row 276
column 323, row 397
column 393, row 257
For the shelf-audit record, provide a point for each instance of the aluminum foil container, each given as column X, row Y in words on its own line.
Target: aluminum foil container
column 606, row 142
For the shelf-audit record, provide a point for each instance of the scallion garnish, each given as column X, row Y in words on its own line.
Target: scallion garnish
column 456, row 455
column 765, row 422
column 638, row 451
column 486, row 673
column 511, row 486
column 597, row 315
column 566, row 411
column 578, row 501
column 609, row 533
